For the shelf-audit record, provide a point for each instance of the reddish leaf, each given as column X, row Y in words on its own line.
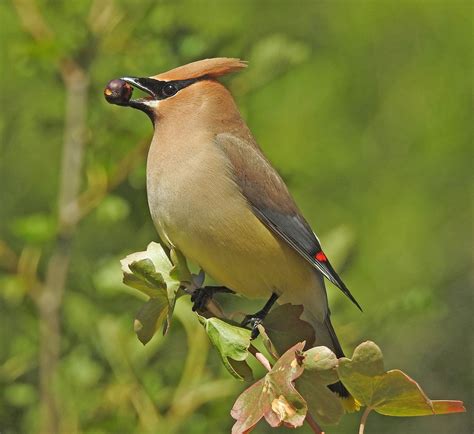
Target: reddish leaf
column 274, row 397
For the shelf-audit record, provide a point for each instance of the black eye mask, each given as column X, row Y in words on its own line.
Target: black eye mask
column 160, row 89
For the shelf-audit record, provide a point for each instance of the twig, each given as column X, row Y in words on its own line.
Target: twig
column 27, row 270
column 32, row 20
column 363, row 420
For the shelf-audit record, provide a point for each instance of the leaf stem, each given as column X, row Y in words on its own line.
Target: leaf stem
column 363, row 420
column 313, row 424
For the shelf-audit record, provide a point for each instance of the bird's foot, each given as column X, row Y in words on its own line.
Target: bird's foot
column 253, row 321
column 201, row 296
column 257, row 318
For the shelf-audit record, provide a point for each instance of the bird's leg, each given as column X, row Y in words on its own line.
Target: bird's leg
column 201, row 296
column 257, row 318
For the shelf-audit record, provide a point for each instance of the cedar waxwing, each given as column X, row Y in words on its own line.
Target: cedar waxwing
column 216, row 198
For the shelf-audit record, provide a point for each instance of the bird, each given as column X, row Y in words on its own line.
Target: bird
column 215, row 197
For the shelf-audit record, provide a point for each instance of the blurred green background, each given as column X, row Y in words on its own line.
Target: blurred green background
column 365, row 109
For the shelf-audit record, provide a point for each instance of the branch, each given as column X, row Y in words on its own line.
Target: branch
column 32, row 20
column 76, row 81
column 49, row 300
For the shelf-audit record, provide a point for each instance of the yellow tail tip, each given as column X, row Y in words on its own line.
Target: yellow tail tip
column 350, row 404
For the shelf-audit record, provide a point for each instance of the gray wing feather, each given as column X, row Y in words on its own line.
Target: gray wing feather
column 272, row 202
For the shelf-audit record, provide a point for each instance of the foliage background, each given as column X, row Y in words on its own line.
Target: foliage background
column 363, row 106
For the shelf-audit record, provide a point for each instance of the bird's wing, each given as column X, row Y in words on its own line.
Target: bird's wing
column 273, row 205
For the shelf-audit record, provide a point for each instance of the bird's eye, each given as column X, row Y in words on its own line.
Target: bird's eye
column 169, row 90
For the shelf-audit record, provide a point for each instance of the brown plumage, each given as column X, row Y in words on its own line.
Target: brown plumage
column 214, row 196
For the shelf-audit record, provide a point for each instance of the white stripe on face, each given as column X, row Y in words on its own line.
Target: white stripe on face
column 152, row 103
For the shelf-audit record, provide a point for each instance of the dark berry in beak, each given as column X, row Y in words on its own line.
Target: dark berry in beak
column 118, row 92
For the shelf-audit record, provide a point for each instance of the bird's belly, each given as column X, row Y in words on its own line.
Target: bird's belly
column 218, row 231
column 203, row 214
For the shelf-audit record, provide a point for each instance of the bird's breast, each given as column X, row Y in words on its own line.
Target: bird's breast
column 198, row 208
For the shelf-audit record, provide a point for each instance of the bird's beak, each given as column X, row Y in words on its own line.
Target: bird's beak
column 148, row 85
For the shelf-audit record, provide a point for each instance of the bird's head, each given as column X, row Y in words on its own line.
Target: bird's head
column 172, row 89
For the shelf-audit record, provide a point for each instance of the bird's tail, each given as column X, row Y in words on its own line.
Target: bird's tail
column 336, row 348
column 326, row 336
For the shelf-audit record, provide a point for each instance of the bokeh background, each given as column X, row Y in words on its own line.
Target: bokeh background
column 365, row 109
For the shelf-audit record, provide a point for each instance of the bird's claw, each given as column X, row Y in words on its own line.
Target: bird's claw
column 200, row 297
column 253, row 321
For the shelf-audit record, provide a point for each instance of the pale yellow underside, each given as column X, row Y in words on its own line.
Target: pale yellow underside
column 198, row 208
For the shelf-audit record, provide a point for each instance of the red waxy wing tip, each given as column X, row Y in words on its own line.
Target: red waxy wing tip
column 320, row 256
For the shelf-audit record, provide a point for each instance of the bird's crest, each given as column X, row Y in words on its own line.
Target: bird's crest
column 208, row 67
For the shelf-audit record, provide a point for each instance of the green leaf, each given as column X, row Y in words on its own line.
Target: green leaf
column 320, row 365
column 392, row 393
column 136, row 282
column 284, row 327
column 151, row 272
column 274, row 397
column 242, row 368
column 145, row 270
column 231, row 341
column 158, row 257
column 150, row 317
